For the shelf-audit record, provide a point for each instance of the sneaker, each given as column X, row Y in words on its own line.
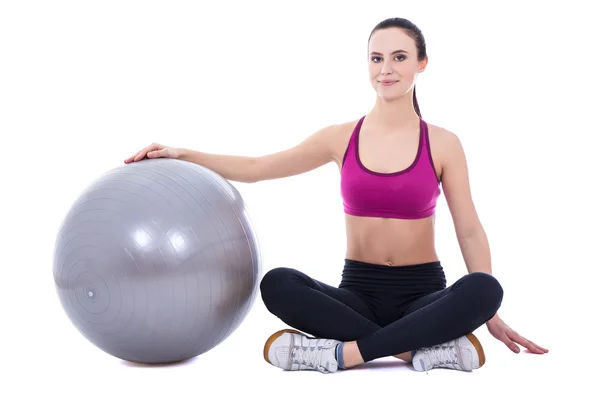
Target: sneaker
column 291, row 350
column 463, row 354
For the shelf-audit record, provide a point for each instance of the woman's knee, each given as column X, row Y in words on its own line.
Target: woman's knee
column 276, row 282
column 486, row 289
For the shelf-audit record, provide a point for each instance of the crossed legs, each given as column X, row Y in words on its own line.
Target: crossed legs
column 324, row 311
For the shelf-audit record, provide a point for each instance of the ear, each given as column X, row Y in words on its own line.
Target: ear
column 423, row 64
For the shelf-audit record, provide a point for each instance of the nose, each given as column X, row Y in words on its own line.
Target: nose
column 386, row 68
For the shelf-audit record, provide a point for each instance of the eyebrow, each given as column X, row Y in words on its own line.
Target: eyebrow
column 393, row 52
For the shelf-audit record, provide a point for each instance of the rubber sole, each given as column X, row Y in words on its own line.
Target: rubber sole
column 477, row 344
column 272, row 339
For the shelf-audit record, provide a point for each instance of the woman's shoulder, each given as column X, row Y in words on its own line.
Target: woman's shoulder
column 444, row 144
column 437, row 132
column 346, row 126
column 340, row 133
column 441, row 138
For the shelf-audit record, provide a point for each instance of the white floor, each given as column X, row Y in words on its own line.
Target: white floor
column 52, row 358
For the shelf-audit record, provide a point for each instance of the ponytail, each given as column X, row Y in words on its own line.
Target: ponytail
column 415, row 102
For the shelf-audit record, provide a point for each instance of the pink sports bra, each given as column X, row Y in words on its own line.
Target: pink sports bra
column 408, row 194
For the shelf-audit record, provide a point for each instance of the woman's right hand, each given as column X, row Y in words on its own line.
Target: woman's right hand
column 154, row 150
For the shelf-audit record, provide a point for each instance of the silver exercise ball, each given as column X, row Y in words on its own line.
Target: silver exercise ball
column 157, row 261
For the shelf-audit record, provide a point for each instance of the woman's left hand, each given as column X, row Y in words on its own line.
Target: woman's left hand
column 510, row 338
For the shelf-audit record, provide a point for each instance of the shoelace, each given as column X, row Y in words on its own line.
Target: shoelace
column 441, row 355
column 308, row 355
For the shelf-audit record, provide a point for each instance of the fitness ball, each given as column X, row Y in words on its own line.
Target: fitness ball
column 157, row 261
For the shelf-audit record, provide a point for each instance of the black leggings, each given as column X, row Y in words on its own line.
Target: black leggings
column 387, row 310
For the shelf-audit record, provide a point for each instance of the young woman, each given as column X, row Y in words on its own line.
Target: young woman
column 392, row 299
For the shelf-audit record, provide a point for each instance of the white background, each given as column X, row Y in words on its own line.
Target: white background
column 84, row 84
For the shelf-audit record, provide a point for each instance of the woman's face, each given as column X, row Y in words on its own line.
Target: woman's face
column 393, row 63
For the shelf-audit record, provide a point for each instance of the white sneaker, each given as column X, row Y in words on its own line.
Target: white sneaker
column 291, row 350
column 463, row 354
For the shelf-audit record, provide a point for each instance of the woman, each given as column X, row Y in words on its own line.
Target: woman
column 392, row 299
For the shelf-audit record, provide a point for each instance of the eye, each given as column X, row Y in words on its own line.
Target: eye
column 397, row 58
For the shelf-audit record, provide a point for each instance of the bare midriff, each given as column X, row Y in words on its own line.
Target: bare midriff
column 391, row 242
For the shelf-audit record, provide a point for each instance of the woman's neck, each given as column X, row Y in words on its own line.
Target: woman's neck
column 396, row 114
